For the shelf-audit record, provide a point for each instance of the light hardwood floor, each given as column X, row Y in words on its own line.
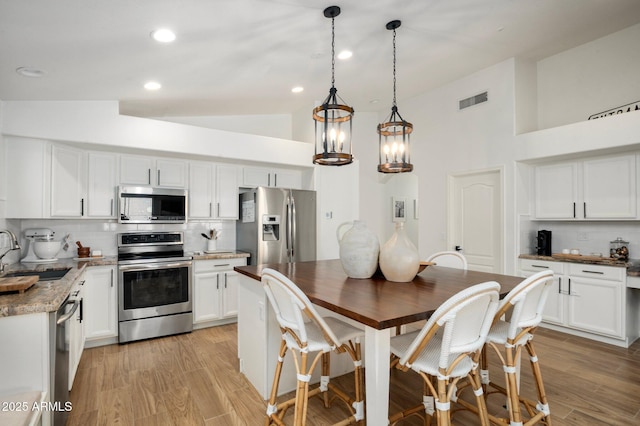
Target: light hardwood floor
column 193, row 379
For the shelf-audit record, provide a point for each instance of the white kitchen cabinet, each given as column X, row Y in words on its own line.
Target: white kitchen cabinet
column 226, row 192
column 215, row 291
column 595, row 299
column 271, row 177
column 76, row 332
column 588, row 300
column 68, row 178
column 213, row 191
column 609, row 188
column 101, row 185
column 143, row 170
column 83, row 184
column 100, row 305
column 602, row 188
column 554, row 311
column 28, row 171
column 556, row 191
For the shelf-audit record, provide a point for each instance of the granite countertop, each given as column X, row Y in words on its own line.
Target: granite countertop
column 46, row 296
column 218, row 254
column 632, row 265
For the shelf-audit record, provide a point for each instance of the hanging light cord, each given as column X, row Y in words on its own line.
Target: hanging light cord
column 394, row 67
column 333, row 52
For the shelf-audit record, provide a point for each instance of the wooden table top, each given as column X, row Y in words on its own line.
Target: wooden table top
column 377, row 302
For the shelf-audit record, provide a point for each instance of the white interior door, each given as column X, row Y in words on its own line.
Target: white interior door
column 476, row 219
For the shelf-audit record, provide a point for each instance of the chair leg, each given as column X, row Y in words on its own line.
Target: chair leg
column 543, row 403
column 512, row 385
column 358, row 405
column 443, row 409
column 324, row 379
column 272, row 406
column 302, row 390
column 476, row 385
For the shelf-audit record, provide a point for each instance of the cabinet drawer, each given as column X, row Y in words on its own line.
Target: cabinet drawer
column 597, row 271
column 214, row 265
column 541, row 265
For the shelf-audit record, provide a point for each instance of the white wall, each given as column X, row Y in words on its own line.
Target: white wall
column 588, row 79
column 272, row 125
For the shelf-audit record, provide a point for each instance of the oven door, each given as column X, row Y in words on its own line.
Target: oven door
column 154, row 289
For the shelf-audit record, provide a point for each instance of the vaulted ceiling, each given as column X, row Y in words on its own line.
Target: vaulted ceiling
column 244, row 56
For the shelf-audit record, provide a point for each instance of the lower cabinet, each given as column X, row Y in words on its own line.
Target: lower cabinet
column 100, row 305
column 215, row 290
column 591, row 300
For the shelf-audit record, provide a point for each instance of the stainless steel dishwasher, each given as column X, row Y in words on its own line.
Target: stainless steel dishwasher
column 60, row 362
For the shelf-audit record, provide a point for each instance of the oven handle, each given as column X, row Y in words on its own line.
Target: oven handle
column 154, row 265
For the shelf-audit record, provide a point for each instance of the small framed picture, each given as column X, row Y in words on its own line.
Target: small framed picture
column 399, row 209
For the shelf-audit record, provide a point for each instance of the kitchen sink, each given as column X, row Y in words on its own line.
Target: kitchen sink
column 46, row 275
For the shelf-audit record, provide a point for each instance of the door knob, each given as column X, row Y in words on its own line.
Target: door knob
column 458, row 248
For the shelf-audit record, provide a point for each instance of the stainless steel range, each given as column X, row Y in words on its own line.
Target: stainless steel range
column 154, row 285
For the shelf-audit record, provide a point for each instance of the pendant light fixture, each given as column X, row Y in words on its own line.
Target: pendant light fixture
column 394, row 133
column 332, row 118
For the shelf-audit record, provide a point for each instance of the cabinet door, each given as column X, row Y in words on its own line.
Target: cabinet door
column 200, row 190
column 556, row 191
column 76, row 336
column 101, row 189
column 610, row 188
column 230, row 294
column 136, row 170
column 28, row 163
column 226, row 192
column 287, row 179
column 100, row 303
column 67, row 177
column 206, row 297
column 256, row 176
column 596, row 306
column 171, row 173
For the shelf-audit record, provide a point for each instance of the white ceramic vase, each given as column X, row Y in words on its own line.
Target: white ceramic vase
column 359, row 249
column 399, row 258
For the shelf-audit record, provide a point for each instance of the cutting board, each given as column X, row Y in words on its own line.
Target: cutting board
column 19, row 284
column 581, row 257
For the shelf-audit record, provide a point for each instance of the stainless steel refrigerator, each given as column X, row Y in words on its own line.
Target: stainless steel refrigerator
column 277, row 225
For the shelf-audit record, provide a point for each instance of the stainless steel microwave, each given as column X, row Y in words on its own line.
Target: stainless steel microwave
column 146, row 204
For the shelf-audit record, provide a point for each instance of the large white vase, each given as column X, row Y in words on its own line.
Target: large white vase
column 399, row 258
column 359, row 249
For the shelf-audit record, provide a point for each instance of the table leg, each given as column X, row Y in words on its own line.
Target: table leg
column 376, row 361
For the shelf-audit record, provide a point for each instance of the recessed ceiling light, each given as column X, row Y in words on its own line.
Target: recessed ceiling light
column 297, row 89
column 152, row 85
column 163, row 35
column 30, row 72
column 345, row 54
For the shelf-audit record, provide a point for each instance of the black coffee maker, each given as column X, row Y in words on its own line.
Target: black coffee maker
column 543, row 243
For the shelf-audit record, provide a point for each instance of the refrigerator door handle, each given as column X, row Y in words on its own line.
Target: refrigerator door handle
column 294, row 233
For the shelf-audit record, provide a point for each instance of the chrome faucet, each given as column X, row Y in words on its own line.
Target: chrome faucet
column 13, row 245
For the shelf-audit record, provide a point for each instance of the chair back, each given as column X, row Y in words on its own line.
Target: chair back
column 449, row 259
column 465, row 319
column 526, row 302
column 292, row 307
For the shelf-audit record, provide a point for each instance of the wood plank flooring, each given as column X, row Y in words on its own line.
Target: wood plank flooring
column 193, row 379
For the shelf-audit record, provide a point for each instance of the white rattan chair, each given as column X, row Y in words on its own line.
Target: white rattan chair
column 523, row 307
column 446, row 350
column 304, row 331
column 450, row 259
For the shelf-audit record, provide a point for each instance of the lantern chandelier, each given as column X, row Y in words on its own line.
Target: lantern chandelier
column 393, row 134
column 333, row 119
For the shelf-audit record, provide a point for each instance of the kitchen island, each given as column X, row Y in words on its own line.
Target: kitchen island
column 375, row 304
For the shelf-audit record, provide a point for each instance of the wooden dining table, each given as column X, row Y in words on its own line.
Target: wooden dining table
column 380, row 306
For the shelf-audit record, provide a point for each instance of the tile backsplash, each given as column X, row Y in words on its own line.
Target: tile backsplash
column 588, row 237
column 102, row 235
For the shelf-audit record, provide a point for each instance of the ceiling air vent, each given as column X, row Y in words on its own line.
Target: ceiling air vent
column 473, row 100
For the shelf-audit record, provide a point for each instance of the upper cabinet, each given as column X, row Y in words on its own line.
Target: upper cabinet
column 213, row 191
column 271, row 177
column 28, row 173
column 143, row 170
column 601, row 188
